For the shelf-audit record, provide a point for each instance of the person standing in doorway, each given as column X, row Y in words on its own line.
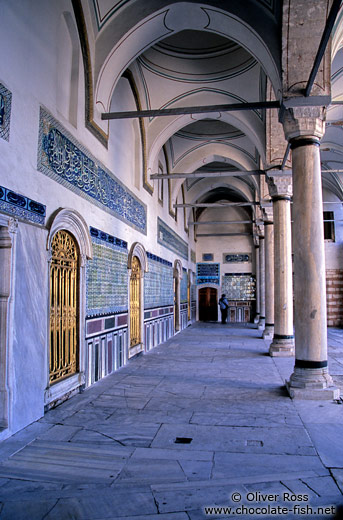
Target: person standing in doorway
column 224, row 305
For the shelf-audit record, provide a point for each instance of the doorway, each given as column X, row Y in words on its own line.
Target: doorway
column 208, row 304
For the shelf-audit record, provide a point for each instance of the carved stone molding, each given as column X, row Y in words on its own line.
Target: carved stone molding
column 138, row 250
column 279, row 184
column 70, row 220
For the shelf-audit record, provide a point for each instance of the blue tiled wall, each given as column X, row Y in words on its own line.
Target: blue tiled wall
column 158, row 283
column 107, row 275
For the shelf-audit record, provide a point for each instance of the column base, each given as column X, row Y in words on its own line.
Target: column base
column 257, row 318
column 312, row 383
column 282, row 346
column 261, row 323
column 268, row 331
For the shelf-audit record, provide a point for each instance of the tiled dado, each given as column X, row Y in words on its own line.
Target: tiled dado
column 106, row 340
column 158, row 326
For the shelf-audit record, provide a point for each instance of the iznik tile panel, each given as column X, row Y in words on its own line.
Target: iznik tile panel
column 239, row 287
column 5, row 112
column 208, row 273
column 66, row 161
column 169, row 239
column 158, row 283
column 21, row 207
column 184, row 286
column 107, row 276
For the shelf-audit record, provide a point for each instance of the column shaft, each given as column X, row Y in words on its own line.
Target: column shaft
column 283, row 340
column 269, row 280
column 310, row 371
column 262, row 320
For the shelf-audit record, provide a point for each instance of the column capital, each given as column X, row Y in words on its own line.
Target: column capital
column 280, row 184
column 303, row 122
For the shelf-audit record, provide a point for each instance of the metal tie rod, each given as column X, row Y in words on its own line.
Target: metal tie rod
column 258, row 105
column 215, row 204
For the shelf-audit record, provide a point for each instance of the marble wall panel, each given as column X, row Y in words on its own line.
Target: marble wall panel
column 28, row 356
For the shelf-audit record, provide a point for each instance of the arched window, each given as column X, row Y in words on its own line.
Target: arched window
column 64, row 307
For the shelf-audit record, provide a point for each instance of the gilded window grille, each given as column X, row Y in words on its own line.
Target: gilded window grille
column 63, row 307
column 135, row 297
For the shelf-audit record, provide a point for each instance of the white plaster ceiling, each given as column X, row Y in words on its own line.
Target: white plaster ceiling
column 186, row 53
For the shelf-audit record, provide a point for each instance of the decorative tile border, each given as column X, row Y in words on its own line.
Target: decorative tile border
column 169, row 239
column 101, row 235
column 63, row 159
column 5, row 112
column 21, row 206
column 158, row 259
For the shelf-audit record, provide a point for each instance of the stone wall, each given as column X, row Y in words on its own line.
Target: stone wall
column 334, row 297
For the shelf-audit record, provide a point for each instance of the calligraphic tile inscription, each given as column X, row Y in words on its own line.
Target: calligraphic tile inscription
column 63, row 159
column 21, row 207
column 107, row 275
column 158, row 282
column 5, row 112
column 169, row 239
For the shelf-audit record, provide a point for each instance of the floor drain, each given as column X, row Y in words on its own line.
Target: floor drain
column 254, row 443
column 183, row 440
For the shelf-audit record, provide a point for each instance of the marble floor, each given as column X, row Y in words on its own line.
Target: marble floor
column 201, row 421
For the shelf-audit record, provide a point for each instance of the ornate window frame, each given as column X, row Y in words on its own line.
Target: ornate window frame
column 137, row 250
column 70, row 220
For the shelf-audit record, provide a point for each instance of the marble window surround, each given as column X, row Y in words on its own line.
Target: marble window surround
column 70, row 220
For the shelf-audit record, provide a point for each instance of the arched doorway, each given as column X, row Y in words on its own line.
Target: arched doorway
column 208, row 304
column 64, row 307
column 135, row 303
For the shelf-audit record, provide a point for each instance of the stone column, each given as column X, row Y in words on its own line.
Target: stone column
column 262, row 277
column 310, row 380
column 280, row 189
column 257, row 271
column 269, row 280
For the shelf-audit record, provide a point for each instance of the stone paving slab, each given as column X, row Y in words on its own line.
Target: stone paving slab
column 275, row 440
column 110, row 452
